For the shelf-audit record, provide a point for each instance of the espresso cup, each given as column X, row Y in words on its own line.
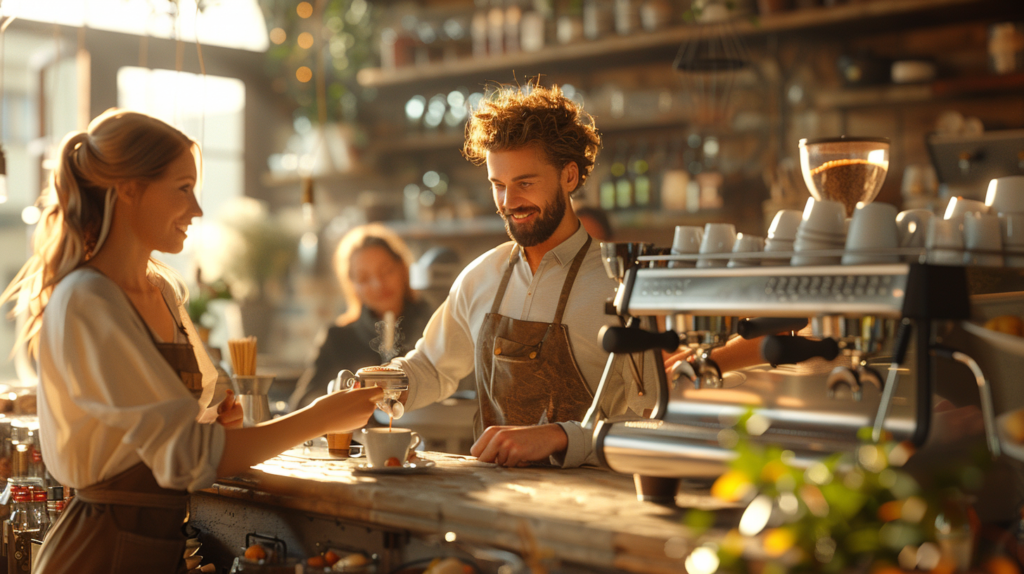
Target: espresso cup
column 746, row 243
column 1011, row 226
column 826, row 217
column 873, row 232
column 913, row 226
column 1006, row 194
column 718, row 238
column 982, row 240
column 785, row 224
column 959, row 206
column 686, row 241
column 945, row 242
column 383, row 444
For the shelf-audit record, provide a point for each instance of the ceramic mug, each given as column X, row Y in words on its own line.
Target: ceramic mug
column 382, row 444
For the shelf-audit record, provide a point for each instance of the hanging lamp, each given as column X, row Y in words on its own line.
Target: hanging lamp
column 709, row 62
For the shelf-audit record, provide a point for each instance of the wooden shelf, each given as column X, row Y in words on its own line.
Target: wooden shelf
column 478, row 226
column 880, row 15
column 439, row 141
column 896, row 94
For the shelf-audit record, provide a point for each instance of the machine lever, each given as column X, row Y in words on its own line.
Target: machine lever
column 787, row 350
column 627, row 340
column 761, row 326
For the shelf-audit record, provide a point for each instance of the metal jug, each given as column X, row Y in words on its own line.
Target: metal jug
column 253, row 393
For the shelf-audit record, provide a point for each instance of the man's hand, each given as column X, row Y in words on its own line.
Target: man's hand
column 229, row 411
column 516, row 446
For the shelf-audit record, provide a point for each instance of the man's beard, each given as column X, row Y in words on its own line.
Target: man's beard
column 542, row 228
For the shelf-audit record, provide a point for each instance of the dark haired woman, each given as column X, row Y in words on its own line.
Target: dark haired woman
column 372, row 265
column 124, row 393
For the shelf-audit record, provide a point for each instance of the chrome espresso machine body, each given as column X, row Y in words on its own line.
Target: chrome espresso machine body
column 864, row 344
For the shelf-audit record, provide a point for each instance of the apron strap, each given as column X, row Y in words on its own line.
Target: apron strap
column 570, row 278
column 512, row 258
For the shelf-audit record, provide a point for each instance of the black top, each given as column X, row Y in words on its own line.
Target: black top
column 355, row 345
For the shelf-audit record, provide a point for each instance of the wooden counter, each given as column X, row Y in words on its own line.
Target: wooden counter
column 586, row 517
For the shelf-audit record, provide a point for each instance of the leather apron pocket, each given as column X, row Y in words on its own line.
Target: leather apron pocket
column 136, row 553
column 508, row 350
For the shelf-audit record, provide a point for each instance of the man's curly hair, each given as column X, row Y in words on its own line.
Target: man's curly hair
column 511, row 120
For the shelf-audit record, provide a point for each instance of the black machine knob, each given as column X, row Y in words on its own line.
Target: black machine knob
column 629, row 340
column 786, row 350
column 761, row 326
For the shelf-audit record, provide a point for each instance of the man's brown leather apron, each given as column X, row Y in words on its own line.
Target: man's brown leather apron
column 128, row 523
column 526, row 371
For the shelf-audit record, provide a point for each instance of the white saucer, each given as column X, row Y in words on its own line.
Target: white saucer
column 407, row 468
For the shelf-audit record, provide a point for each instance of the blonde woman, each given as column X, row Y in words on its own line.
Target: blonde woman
column 372, row 265
column 125, row 390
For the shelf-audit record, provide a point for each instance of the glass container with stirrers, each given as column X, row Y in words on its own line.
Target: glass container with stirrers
column 252, row 389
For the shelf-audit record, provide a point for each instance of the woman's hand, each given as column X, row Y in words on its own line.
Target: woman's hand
column 517, row 446
column 229, row 411
column 345, row 411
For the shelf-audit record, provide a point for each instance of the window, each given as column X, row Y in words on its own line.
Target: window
column 210, row 110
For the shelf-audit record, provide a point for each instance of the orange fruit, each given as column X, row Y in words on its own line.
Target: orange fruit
column 890, row 511
column 316, row 562
column 330, row 557
column 393, row 461
column 1008, row 324
column 255, row 553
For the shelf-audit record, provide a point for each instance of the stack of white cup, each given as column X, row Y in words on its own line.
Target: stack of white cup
column 873, row 235
column 823, row 228
column 953, row 240
column 687, row 241
column 718, row 238
column 746, row 243
column 782, row 235
column 1006, row 198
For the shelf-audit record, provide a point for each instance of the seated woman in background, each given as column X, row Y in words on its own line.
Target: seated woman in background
column 372, row 263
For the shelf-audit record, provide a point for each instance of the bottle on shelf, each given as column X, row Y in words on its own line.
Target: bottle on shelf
column 496, row 29
column 19, row 530
column 639, row 173
column 40, row 515
column 625, row 17
column 513, row 22
column 623, row 186
column 675, row 178
column 478, row 29
column 597, row 19
column 54, row 504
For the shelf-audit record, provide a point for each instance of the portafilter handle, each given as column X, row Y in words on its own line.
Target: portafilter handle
column 787, row 350
column 761, row 326
column 630, row 340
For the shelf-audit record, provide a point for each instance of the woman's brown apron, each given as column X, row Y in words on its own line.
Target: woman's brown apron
column 526, row 371
column 128, row 523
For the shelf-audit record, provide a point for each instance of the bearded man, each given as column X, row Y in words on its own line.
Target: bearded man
column 524, row 317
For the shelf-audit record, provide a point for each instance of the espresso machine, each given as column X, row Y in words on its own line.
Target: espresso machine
column 847, row 347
